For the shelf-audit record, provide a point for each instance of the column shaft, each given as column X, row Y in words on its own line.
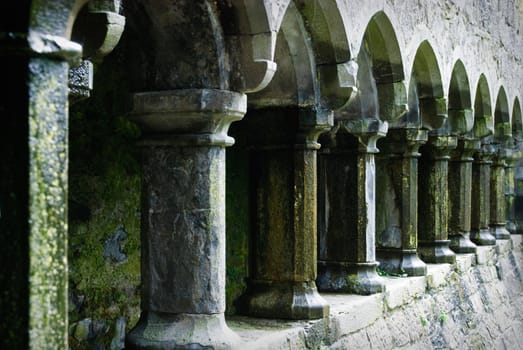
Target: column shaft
column 33, row 192
column 480, row 218
column 433, row 200
column 460, row 196
column 510, row 190
column 347, row 259
column 497, row 195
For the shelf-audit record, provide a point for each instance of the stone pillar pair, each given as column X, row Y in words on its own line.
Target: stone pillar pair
column 183, row 217
column 347, row 171
column 433, row 199
column 397, row 207
column 283, row 242
column 480, row 219
column 460, row 195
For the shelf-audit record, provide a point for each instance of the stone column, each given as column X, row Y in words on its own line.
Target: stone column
column 433, row 200
column 480, row 231
column 397, row 209
column 284, row 178
column 460, row 196
column 183, row 218
column 33, row 184
column 497, row 194
column 347, row 258
column 510, row 189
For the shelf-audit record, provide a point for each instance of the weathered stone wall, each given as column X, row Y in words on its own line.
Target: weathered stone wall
column 485, row 35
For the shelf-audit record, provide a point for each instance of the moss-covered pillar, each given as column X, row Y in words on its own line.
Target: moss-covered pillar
column 347, row 258
column 510, row 189
column 397, row 209
column 34, row 68
column 284, row 180
column 433, row 200
column 460, row 195
column 183, row 217
column 480, row 218
column 497, row 194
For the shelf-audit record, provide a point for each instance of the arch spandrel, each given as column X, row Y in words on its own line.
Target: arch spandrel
column 460, row 114
column 427, row 105
column 502, row 127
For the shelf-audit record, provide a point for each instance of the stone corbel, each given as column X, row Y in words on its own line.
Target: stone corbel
column 392, row 100
column 433, row 112
column 502, row 131
column 337, row 83
column 255, row 35
column 483, row 126
column 461, row 120
column 99, row 31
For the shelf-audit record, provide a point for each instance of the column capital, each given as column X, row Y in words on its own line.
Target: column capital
column 313, row 123
column 404, row 142
column 441, row 145
column 36, row 44
column 465, row 150
column 368, row 132
column 188, row 117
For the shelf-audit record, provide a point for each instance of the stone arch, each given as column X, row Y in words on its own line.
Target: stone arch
column 517, row 122
column 502, row 127
column 295, row 81
column 383, row 94
column 426, row 96
column 227, row 45
column 483, row 123
column 460, row 115
column 336, row 71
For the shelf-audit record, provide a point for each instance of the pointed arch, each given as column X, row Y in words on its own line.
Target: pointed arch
column 381, row 43
column 381, row 74
column 502, row 127
column 461, row 119
column 517, row 122
column 483, row 123
column 426, row 98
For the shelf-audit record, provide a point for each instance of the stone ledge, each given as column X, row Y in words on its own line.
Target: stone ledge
column 351, row 314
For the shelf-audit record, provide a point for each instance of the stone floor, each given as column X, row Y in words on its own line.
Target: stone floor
column 476, row 303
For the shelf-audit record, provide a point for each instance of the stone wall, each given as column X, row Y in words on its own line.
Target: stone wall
column 474, row 304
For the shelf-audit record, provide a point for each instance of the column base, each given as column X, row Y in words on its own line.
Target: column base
column 162, row 331
column 401, row 261
column 283, row 299
column 482, row 237
column 344, row 277
column 461, row 243
column 511, row 227
column 436, row 252
column 499, row 232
